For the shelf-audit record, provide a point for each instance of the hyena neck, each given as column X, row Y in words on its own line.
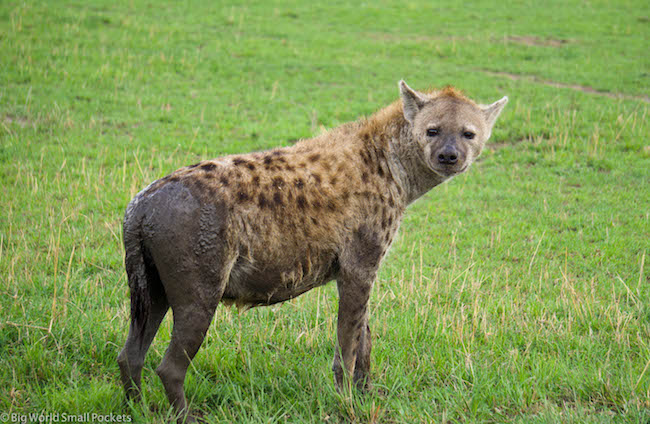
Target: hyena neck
column 409, row 163
column 392, row 133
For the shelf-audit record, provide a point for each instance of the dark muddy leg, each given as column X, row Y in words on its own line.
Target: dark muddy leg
column 131, row 358
column 191, row 323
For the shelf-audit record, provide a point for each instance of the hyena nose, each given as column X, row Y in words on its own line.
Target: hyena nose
column 448, row 156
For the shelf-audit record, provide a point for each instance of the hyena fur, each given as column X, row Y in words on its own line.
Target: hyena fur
column 261, row 228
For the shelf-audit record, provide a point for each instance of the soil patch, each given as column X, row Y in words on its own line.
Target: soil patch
column 536, row 41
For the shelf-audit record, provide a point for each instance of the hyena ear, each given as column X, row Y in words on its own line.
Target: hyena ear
column 412, row 100
column 491, row 112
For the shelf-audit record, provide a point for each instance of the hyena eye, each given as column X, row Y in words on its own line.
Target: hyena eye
column 432, row 132
column 469, row 135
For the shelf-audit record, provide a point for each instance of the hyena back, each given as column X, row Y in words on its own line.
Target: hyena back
column 261, row 228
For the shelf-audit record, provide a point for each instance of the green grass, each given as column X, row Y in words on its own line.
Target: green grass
column 517, row 293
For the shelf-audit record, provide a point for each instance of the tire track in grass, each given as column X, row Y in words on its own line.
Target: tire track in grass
column 577, row 87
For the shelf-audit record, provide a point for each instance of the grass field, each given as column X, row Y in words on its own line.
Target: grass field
column 517, row 293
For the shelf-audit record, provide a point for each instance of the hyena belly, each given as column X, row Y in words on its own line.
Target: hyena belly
column 275, row 262
column 257, row 281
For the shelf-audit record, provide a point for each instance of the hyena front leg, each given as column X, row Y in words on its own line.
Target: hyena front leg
column 352, row 355
column 359, row 262
column 362, row 364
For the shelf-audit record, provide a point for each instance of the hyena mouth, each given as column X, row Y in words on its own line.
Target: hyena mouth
column 447, row 164
column 449, row 170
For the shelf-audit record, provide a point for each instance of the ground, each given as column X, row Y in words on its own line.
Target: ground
column 515, row 293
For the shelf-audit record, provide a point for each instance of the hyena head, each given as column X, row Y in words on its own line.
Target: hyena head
column 450, row 129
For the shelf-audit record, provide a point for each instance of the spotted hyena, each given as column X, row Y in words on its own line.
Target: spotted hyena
column 261, row 228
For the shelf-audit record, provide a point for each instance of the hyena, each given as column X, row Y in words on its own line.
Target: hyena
column 261, row 228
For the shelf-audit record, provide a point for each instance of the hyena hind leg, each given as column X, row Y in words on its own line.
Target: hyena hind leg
column 191, row 323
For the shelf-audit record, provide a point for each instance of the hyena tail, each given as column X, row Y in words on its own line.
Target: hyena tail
column 140, row 276
column 148, row 303
column 144, row 281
